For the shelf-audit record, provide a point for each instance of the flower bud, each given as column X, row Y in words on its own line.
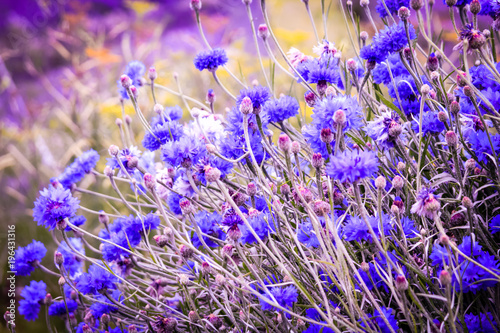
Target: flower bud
column 451, row 3
column 105, row 319
column 295, row 147
column 380, row 182
column 215, row 320
column 470, row 164
column 263, row 31
column 416, row 4
column 363, row 35
column 320, row 207
column 317, row 160
column 246, row 105
column 425, row 89
column 205, row 268
column 432, row 62
column 132, row 329
column 126, row 81
column 444, row 278
column 193, row 317
column 153, row 75
column 284, row 143
column 444, row 239
column 212, row 174
column 133, row 162
column 364, row 3
column 186, row 206
column 461, row 79
column 134, row 92
column 118, row 122
column 435, row 76
column 351, row 64
column 183, row 279
column 149, row 181
column 211, row 148
column 404, row 13
column 195, row 5
column 310, row 98
column 330, row 91
column 394, row 209
column 321, row 87
column 442, row 116
column 220, row 280
column 58, row 258
column 475, row 7
column 401, row 282
column 285, row 189
column 339, row 118
column 48, row 299
column 161, row 240
column 401, row 166
column 86, row 329
column 113, row 150
column 61, row 281
column 227, row 250
column 468, row 91
column 398, row 182
column 243, row 316
column 185, row 251
column 158, row 108
column 451, row 139
column 454, row 107
column 467, row 203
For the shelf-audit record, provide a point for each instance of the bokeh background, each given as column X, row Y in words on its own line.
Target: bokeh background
column 59, row 63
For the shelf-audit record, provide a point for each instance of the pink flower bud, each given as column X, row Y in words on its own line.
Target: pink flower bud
column 263, row 31
column 152, row 73
column 295, row 147
column 284, row 143
column 246, row 106
column 125, row 81
column 339, row 118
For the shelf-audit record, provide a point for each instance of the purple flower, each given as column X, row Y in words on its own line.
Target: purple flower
column 58, row 308
column 323, row 70
column 53, row 206
column 125, row 155
column 27, row 257
column 258, row 95
column 379, row 324
column 210, row 60
column 173, row 203
column 77, row 221
column 185, row 152
column 281, row 109
column 352, row 165
column 385, row 129
column 161, row 133
column 262, row 224
column 97, row 279
column 427, row 203
column 393, row 38
column 482, row 323
column 357, row 230
column 285, row 296
column 208, row 224
column 495, row 225
column 77, row 170
column 33, row 294
column 392, row 5
column 430, row 124
column 480, row 144
column 307, row 235
column 381, row 72
column 135, row 70
column 104, row 305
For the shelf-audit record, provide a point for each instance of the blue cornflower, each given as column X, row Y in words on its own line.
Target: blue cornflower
column 185, row 152
column 393, row 38
column 411, row 107
column 139, row 224
column 135, row 71
column 307, row 235
column 54, row 205
column 285, row 296
column 493, row 96
column 77, row 170
column 234, row 147
column 495, row 225
column 104, row 305
column 58, row 308
column 281, row 109
column 392, row 5
column 483, row 323
column 161, row 133
column 77, row 221
column 460, row 3
column 213, row 161
column 378, row 321
column 357, row 230
column 403, row 86
column 409, row 229
column 352, row 165
column 480, row 144
column 125, row 155
column 385, row 129
column 258, row 95
column 230, row 218
column 33, row 294
column 320, row 70
column 210, row 60
column 312, row 313
column 72, row 262
column 124, row 232
column 173, row 113
column 325, row 109
column 372, row 54
column 28, row 257
column 482, row 78
column 234, row 120
column 97, row 279
column 173, row 203
column 381, row 72
column 430, row 124
column 427, row 203
column 208, row 224
column 262, row 224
